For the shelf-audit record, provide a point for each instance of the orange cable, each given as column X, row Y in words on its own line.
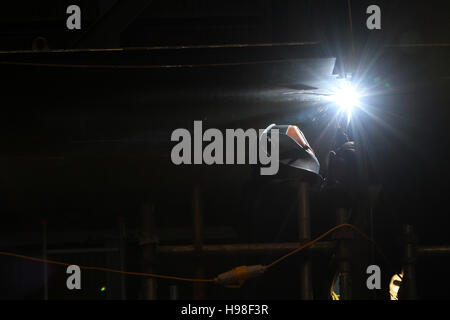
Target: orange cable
column 152, row 275
column 312, row 242
column 141, row 274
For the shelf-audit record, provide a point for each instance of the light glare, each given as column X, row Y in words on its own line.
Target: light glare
column 347, row 98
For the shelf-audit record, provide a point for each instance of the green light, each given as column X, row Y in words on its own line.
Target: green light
column 387, row 84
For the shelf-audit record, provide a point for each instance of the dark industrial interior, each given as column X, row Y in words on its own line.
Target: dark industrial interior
column 86, row 175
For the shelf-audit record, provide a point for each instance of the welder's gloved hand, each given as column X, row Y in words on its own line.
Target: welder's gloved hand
column 342, row 166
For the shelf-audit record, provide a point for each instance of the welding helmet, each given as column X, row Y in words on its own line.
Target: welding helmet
column 295, row 153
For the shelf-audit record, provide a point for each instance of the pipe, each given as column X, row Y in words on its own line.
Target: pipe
column 148, row 240
column 247, row 248
column 44, row 256
column 304, row 233
column 82, row 250
column 122, row 252
column 199, row 288
column 173, row 292
column 408, row 290
column 343, row 256
column 433, row 250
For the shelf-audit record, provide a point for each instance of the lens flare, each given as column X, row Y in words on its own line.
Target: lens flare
column 347, row 98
